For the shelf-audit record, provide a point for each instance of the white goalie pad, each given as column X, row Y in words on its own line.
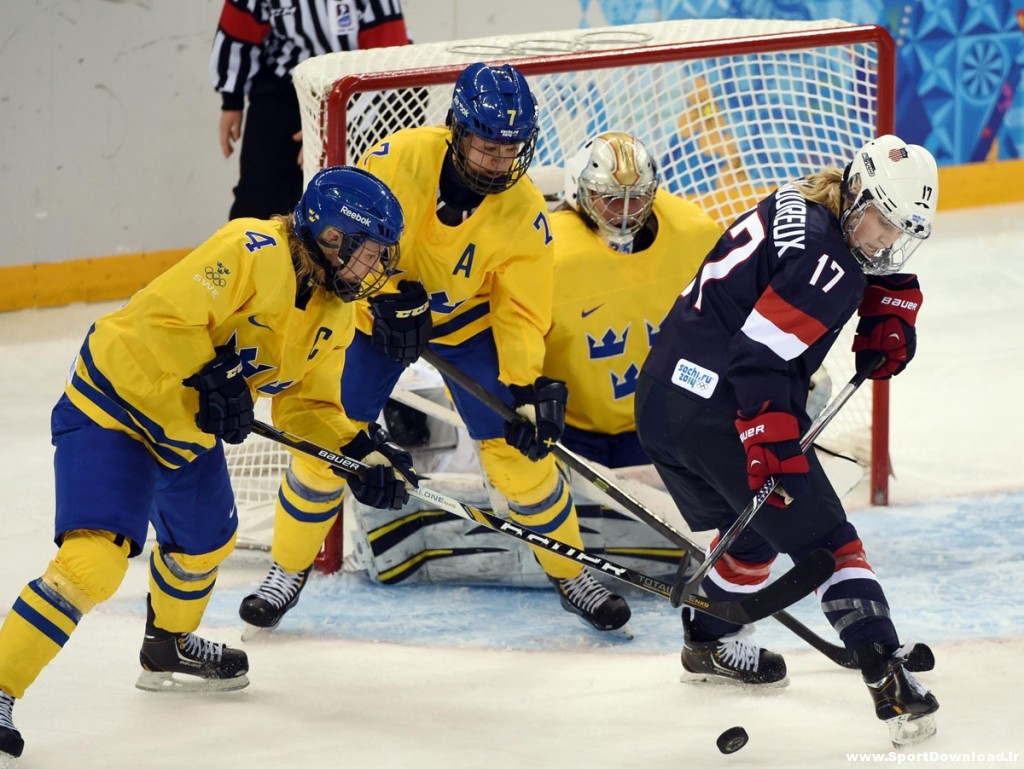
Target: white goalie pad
column 421, row 545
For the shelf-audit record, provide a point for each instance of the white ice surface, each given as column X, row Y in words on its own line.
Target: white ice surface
column 367, row 676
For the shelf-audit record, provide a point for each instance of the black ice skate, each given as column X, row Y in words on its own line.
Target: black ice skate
column 905, row 705
column 186, row 662
column 11, row 744
column 592, row 602
column 279, row 592
column 731, row 659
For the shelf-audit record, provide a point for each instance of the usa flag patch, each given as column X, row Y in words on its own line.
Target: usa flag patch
column 896, row 155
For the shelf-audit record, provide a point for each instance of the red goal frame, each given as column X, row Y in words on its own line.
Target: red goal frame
column 334, row 123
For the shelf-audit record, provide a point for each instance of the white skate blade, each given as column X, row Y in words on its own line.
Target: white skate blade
column 152, row 681
column 908, row 730
column 623, row 633
column 254, row 632
column 687, row 677
column 6, row 760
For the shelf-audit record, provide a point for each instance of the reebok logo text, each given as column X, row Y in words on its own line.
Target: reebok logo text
column 363, row 220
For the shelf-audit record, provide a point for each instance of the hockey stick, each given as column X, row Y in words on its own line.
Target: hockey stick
column 791, row 587
column 837, row 654
column 682, row 589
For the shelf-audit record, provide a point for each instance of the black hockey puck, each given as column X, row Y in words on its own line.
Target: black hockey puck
column 732, row 739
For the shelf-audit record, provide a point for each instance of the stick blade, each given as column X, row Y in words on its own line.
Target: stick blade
column 804, row 577
column 678, row 594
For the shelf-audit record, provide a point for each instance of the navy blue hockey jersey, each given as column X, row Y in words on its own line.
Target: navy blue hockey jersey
column 764, row 309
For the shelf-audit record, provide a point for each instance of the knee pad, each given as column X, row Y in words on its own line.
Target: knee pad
column 554, row 516
column 180, row 585
column 89, row 567
column 519, row 480
column 308, row 503
column 189, row 568
column 314, row 474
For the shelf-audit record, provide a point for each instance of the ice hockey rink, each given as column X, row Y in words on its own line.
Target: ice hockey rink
column 362, row 675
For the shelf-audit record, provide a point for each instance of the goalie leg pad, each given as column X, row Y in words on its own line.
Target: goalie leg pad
column 180, row 585
column 307, row 505
column 88, row 569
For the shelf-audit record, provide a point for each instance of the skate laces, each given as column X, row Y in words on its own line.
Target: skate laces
column 735, row 650
column 584, row 591
column 280, row 586
column 200, row 648
column 6, row 706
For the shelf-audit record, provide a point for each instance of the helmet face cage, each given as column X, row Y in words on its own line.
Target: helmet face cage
column 900, row 181
column 383, row 266
column 355, row 205
column 495, row 104
column 612, row 182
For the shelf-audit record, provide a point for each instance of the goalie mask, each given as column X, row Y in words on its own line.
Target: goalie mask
column 611, row 181
column 493, row 118
column 890, row 192
column 350, row 222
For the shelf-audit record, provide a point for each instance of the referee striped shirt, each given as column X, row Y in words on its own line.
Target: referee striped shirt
column 275, row 35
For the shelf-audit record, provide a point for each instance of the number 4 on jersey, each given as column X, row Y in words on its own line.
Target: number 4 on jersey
column 258, row 240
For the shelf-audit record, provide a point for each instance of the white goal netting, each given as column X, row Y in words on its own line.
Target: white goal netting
column 730, row 109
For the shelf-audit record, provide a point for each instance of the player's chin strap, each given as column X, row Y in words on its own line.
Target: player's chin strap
column 789, row 588
column 641, row 512
column 689, row 581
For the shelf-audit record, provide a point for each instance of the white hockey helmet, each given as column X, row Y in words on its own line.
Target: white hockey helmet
column 901, row 181
column 611, row 181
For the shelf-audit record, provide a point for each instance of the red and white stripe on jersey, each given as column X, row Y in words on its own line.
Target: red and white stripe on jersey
column 738, row 576
column 781, row 327
column 851, row 563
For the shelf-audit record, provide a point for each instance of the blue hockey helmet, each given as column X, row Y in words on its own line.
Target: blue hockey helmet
column 350, row 213
column 494, row 103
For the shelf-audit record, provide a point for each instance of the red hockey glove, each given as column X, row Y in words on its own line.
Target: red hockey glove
column 888, row 312
column 772, row 441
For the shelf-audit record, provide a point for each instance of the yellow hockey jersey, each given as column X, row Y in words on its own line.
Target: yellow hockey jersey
column 493, row 270
column 608, row 308
column 237, row 288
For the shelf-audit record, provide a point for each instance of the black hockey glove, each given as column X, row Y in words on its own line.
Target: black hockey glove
column 541, row 407
column 225, row 402
column 402, row 322
column 389, row 469
column 888, row 313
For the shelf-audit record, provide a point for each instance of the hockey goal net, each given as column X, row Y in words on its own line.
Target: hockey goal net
column 730, row 108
